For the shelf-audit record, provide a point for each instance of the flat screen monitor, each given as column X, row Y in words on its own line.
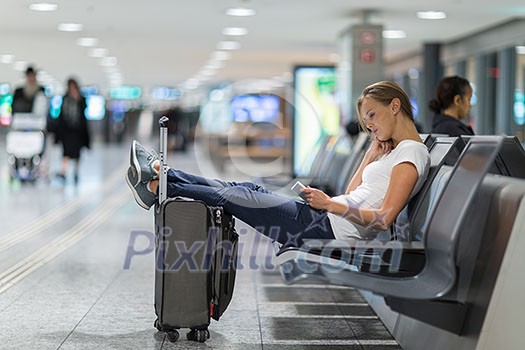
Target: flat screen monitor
column 256, row 108
column 316, row 111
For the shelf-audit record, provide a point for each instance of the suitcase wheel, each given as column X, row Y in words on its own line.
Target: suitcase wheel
column 199, row 335
column 173, row 336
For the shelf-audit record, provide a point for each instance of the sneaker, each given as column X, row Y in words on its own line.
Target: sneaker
column 143, row 196
column 143, row 162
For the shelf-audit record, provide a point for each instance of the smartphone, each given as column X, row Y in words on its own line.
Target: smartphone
column 297, row 189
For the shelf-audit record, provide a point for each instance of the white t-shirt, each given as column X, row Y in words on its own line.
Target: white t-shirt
column 375, row 180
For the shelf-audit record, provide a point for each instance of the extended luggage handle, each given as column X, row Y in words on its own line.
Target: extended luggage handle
column 163, row 176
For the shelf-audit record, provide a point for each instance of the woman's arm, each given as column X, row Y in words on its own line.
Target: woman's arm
column 402, row 181
column 376, row 149
column 358, row 176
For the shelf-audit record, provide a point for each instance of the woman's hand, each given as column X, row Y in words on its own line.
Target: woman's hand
column 317, row 199
column 378, row 148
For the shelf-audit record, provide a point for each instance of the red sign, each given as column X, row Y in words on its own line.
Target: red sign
column 367, row 56
column 367, row 38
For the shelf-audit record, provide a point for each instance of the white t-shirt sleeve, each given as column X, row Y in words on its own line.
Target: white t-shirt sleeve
column 414, row 153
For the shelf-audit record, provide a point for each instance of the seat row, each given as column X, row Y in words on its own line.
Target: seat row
column 443, row 253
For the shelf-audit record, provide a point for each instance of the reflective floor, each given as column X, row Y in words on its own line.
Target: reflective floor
column 69, row 279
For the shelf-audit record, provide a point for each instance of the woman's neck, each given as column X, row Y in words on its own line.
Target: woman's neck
column 451, row 112
column 405, row 130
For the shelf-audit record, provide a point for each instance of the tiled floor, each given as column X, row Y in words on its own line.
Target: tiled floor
column 64, row 285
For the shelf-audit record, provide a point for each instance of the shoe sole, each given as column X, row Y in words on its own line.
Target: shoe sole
column 135, row 162
column 136, row 195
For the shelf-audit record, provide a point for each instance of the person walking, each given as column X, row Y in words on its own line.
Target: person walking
column 72, row 130
column 24, row 96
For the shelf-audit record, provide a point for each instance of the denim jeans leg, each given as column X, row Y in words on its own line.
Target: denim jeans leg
column 175, row 175
column 275, row 216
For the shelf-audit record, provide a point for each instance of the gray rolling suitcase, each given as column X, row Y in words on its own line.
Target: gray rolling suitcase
column 196, row 257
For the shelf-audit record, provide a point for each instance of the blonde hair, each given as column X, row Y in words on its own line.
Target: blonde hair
column 384, row 92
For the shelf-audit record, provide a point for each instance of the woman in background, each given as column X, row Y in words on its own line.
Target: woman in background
column 450, row 106
column 72, row 129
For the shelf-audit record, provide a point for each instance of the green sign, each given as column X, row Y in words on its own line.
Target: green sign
column 125, row 93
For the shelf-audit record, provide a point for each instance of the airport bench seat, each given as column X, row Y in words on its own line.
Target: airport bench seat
column 470, row 211
column 390, row 257
column 438, row 275
column 443, row 150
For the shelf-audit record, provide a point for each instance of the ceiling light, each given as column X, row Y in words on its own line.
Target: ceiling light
column 116, row 79
column 191, row 84
column 108, row 61
column 228, row 45
column 237, row 31
column 520, row 50
column 394, row 34
column 207, row 72
column 214, row 65
column 43, row 6
column 87, row 42
column 111, row 70
column 240, row 12
column 70, row 27
column 115, row 82
column 98, row 52
column 7, row 59
column 431, row 15
column 221, row 55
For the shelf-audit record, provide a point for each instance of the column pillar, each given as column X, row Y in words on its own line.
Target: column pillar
column 505, row 86
column 431, row 74
column 486, row 75
column 461, row 69
column 361, row 64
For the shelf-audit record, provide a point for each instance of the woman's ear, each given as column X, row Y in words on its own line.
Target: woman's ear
column 457, row 100
column 396, row 105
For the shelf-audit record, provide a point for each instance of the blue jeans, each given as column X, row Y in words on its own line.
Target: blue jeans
column 280, row 218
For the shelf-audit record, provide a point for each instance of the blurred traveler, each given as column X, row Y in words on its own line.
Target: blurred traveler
column 450, row 105
column 72, row 129
column 29, row 110
column 25, row 96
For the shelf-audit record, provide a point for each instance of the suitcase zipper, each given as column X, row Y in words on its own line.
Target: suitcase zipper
column 215, row 299
column 218, row 217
